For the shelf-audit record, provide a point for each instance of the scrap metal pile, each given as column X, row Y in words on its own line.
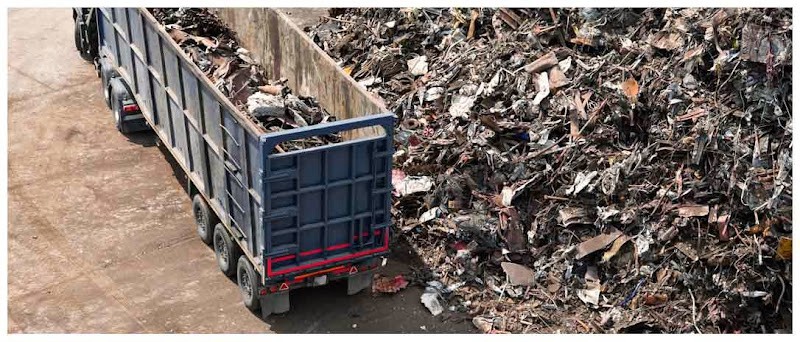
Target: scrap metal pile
column 588, row 170
column 213, row 47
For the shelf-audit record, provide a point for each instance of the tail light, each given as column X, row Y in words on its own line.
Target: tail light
column 130, row 108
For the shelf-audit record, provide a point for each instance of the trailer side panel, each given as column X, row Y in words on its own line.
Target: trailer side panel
column 205, row 134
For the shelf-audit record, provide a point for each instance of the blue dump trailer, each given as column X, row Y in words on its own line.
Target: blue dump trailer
column 276, row 221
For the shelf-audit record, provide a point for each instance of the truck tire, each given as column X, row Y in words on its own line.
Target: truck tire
column 248, row 284
column 107, row 73
column 204, row 218
column 226, row 251
column 119, row 93
column 78, row 44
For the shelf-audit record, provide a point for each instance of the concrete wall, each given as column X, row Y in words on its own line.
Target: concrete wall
column 286, row 51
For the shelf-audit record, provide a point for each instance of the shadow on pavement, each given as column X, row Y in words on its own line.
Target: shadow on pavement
column 146, row 139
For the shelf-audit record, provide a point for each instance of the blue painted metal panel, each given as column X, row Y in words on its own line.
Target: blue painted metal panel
column 327, row 201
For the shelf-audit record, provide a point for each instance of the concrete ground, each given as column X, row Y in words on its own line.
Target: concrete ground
column 101, row 236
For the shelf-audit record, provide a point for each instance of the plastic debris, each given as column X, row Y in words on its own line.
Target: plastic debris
column 430, row 298
column 412, row 184
column 430, row 214
column 589, row 296
column 462, row 104
column 418, row 66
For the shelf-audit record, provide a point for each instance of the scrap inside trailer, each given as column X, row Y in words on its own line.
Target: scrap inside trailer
column 270, row 104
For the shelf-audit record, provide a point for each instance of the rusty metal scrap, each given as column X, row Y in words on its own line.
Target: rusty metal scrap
column 214, row 48
column 593, row 160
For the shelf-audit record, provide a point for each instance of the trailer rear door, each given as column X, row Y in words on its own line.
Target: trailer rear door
column 328, row 204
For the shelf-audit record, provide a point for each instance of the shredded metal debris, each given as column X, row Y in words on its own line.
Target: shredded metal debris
column 588, row 170
column 270, row 104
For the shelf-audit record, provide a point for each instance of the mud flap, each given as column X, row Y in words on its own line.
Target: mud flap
column 275, row 303
column 358, row 282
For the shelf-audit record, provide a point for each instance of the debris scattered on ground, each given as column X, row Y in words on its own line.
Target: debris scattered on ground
column 568, row 167
column 270, row 104
column 384, row 284
column 430, row 298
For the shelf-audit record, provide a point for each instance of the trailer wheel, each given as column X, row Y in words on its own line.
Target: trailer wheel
column 78, row 45
column 248, row 284
column 225, row 250
column 82, row 46
column 204, row 218
column 119, row 93
column 116, row 109
column 107, row 73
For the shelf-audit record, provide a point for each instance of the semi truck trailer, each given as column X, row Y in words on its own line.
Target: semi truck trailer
column 276, row 221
